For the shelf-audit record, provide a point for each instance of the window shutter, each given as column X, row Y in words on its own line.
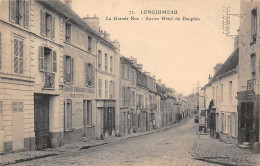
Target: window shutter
column 20, row 57
column 53, row 28
column 43, row 20
column 93, row 49
column 41, row 53
column 12, row 10
column 64, row 68
column 26, row 14
column 54, row 61
column 0, row 51
column 72, row 69
column 21, row 12
column 15, row 55
column 86, row 74
column 92, row 76
column 65, row 114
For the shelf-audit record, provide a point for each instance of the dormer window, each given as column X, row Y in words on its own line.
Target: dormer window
column 253, row 25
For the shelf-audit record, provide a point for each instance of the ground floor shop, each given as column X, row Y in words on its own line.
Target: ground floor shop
column 248, row 118
column 105, row 118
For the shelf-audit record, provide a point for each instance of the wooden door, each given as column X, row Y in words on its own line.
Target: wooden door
column 110, row 121
column 41, row 121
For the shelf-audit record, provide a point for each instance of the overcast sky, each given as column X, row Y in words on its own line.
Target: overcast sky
column 178, row 52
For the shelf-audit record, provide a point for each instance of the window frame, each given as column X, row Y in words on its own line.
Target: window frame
column 18, row 57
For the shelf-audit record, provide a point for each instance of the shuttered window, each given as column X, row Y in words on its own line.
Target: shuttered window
column 18, row 56
column 68, row 69
column 89, row 74
column 47, row 60
column 19, row 12
column 68, row 114
column 111, row 64
column 106, row 63
column 47, row 25
column 106, row 89
column 99, row 60
column 100, row 87
column 17, row 106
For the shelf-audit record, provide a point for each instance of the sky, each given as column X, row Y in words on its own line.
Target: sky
column 180, row 53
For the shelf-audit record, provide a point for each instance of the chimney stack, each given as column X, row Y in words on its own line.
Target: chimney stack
column 116, row 44
column 69, row 3
column 93, row 22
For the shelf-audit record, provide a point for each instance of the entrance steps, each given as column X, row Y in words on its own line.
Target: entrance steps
column 245, row 145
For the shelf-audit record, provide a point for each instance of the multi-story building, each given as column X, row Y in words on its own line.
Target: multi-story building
column 127, row 96
column 107, row 86
column 152, row 103
column 248, row 74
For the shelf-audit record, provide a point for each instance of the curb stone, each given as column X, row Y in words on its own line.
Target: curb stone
column 59, row 152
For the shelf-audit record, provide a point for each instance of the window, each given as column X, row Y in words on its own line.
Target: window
column 47, row 60
column 19, row 12
column 18, row 56
column 123, row 71
column 106, row 89
column 100, row 87
column 89, row 44
column 47, row 25
column 111, row 64
column 128, row 72
column 68, row 114
column 17, row 106
column 253, row 25
column 68, row 33
column 111, row 90
column 99, row 60
column 90, row 74
column 230, row 92
column 68, row 68
column 106, row 62
column 253, row 65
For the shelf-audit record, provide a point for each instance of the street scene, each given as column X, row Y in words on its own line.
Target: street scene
column 88, row 82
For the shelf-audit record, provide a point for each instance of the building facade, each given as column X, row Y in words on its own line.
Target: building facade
column 248, row 75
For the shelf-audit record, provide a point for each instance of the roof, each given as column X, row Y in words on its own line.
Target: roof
column 66, row 11
column 230, row 64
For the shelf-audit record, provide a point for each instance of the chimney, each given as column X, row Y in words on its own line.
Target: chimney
column 93, row 22
column 139, row 67
column 69, row 3
column 116, row 44
column 236, row 41
column 107, row 36
column 217, row 68
column 210, row 78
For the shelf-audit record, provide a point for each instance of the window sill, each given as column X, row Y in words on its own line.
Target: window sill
column 89, row 126
column 68, row 83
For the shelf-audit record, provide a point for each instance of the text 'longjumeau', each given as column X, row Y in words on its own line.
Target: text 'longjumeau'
column 158, row 12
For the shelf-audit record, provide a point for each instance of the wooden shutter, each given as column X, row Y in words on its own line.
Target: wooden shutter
column 43, row 21
column 92, row 76
column 54, row 61
column 86, row 74
column 64, row 68
column 12, row 10
column 72, row 70
column 0, row 51
column 20, row 68
column 53, row 28
column 15, row 55
column 26, row 14
column 21, row 12
column 41, row 54
column 93, row 49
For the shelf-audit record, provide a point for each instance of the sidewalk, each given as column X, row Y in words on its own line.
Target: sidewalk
column 17, row 157
column 212, row 150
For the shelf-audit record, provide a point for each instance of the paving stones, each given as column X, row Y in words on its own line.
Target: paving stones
column 212, row 150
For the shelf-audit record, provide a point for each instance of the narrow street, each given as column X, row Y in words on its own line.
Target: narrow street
column 169, row 147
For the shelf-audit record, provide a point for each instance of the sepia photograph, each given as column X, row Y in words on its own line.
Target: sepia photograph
column 130, row 82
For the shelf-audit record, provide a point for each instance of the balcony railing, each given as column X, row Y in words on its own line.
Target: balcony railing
column 251, row 85
column 68, row 78
column 49, row 80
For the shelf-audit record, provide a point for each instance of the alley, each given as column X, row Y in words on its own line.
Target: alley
column 169, row 147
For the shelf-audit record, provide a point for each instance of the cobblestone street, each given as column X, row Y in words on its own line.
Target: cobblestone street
column 169, row 147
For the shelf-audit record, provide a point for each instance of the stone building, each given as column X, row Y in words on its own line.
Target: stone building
column 248, row 74
column 127, row 96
